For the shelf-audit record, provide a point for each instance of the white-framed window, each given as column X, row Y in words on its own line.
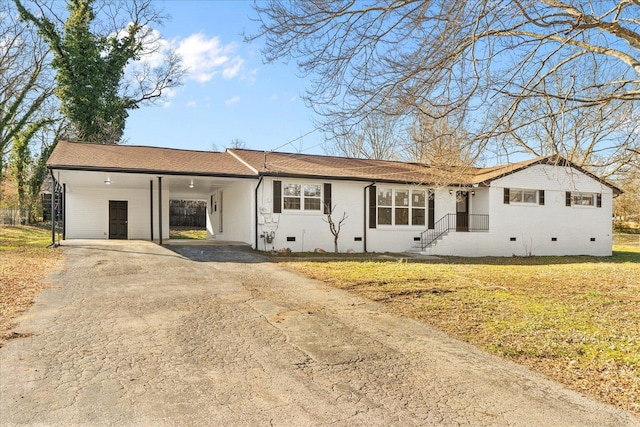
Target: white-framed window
column 385, row 206
column 418, row 206
column 296, row 196
column 583, row 199
column 401, row 206
column 517, row 195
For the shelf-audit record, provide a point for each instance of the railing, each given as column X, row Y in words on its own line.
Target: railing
column 453, row 222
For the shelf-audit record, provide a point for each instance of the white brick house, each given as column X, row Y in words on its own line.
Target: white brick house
column 544, row 206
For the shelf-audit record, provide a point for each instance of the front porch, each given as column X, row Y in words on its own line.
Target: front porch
column 453, row 222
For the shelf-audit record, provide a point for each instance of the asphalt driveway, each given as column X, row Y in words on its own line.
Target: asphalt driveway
column 132, row 333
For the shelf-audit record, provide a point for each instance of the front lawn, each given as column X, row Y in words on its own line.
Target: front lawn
column 576, row 319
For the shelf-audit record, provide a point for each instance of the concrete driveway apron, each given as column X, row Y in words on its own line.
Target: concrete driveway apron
column 132, row 333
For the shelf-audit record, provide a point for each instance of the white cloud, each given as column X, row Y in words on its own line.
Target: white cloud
column 232, row 101
column 233, row 68
column 192, row 104
column 206, row 57
column 293, row 99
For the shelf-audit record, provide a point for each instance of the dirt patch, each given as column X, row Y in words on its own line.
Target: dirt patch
column 24, row 262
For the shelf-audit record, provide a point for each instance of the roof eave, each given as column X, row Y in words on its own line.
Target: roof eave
column 148, row 171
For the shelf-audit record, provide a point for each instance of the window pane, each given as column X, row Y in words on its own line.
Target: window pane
column 417, row 197
column 529, row 196
column 583, row 199
column 292, row 203
column 384, row 197
column 312, row 190
column 417, row 216
column 292, row 189
column 402, row 216
column 384, row 216
column 402, row 198
column 515, row 196
column 311, row 204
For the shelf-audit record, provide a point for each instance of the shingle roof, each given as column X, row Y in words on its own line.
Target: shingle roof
column 288, row 164
column 252, row 163
column 130, row 158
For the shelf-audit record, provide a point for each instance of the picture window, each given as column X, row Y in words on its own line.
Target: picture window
column 401, row 206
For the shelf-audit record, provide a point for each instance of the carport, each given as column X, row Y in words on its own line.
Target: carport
column 123, row 192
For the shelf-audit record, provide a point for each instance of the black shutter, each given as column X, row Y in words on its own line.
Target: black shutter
column 373, row 220
column 432, row 210
column 599, row 200
column 541, row 197
column 506, row 199
column 277, row 196
column 567, row 198
column 327, row 199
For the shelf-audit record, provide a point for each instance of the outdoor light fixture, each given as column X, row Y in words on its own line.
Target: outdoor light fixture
column 451, row 192
column 191, row 184
column 107, row 181
column 473, row 193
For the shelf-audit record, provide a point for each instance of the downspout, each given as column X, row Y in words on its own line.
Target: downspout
column 366, row 209
column 256, row 210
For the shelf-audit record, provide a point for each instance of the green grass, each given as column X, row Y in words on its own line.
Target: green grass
column 188, row 234
column 577, row 319
column 20, row 237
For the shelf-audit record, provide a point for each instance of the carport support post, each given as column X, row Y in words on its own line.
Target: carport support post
column 160, row 209
column 64, row 211
column 151, row 206
column 53, row 209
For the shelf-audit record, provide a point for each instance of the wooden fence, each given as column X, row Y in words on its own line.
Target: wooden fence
column 187, row 213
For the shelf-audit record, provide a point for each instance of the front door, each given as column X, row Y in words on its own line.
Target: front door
column 118, row 219
column 462, row 211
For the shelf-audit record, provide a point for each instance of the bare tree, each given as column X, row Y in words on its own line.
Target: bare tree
column 26, row 84
column 375, row 137
column 238, row 143
column 335, row 227
column 472, row 59
column 438, row 142
column 603, row 138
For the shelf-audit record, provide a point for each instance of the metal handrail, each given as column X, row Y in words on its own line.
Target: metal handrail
column 442, row 226
column 474, row 222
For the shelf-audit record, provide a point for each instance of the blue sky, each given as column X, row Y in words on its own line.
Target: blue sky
column 228, row 93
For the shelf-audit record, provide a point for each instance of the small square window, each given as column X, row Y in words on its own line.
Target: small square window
column 384, row 197
column 402, row 198
column 402, row 216
column 384, row 216
column 512, row 239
